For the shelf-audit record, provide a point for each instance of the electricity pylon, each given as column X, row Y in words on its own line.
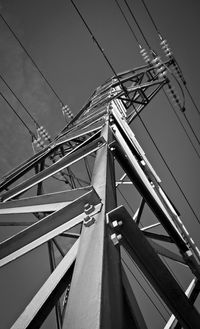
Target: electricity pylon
column 91, row 276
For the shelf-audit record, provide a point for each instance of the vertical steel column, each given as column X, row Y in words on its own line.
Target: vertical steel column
column 96, row 296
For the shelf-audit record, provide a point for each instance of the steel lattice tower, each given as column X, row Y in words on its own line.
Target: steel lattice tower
column 97, row 291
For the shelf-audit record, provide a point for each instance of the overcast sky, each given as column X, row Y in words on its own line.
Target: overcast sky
column 55, row 37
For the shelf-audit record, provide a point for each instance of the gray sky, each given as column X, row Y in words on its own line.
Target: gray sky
column 53, row 34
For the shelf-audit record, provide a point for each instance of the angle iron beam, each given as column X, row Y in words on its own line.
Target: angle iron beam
column 46, row 229
column 52, row 267
column 140, row 211
column 172, row 322
column 154, row 269
column 42, row 203
column 96, row 293
column 156, row 236
column 48, row 294
column 79, row 133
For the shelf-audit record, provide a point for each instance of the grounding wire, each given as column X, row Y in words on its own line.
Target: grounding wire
column 24, row 107
column 161, row 38
column 32, row 60
column 22, row 121
column 148, row 296
column 190, row 140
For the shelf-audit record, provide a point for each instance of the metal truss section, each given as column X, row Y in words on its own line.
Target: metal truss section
column 64, row 162
column 89, row 286
column 46, row 229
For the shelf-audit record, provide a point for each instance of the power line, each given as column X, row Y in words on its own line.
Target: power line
column 94, row 38
column 129, row 25
column 190, row 140
column 136, row 22
column 26, row 110
column 188, row 122
column 151, row 18
column 32, row 60
column 22, row 121
column 99, row 46
column 192, row 98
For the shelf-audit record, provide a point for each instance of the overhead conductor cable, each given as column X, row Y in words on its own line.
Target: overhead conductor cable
column 22, row 121
column 33, row 62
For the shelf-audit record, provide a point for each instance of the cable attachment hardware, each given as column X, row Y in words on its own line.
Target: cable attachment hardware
column 115, row 238
column 159, row 67
column 67, row 113
column 88, row 220
column 117, row 223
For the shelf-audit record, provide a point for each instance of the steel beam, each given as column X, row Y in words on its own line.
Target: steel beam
column 46, row 229
column 42, row 203
column 140, row 211
column 154, row 269
column 173, row 323
column 96, row 294
column 159, row 237
column 43, row 299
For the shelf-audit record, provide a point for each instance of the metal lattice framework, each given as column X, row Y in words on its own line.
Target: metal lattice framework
column 91, row 275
